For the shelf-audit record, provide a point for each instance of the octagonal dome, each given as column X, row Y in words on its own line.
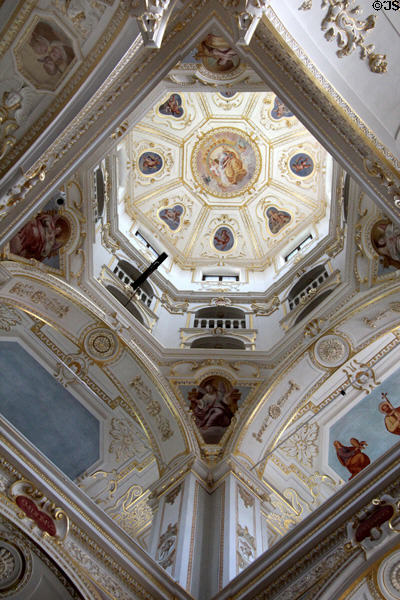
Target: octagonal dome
column 223, row 180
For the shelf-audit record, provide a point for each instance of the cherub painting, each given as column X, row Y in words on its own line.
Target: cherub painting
column 171, row 216
column 385, row 238
column 213, row 404
column 277, row 218
column 41, row 237
column 216, row 54
column 301, row 164
column 280, row 110
column 172, row 106
column 150, row 163
column 223, row 239
column 46, row 55
column 352, row 457
column 392, row 415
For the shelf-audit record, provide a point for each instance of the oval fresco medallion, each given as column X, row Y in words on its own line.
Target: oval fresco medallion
column 172, row 107
column 226, row 162
column 223, row 239
column 301, row 164
column 171, row 216
column 150, row 163
column 217, row 55
column 277, row 218
column 280, row 110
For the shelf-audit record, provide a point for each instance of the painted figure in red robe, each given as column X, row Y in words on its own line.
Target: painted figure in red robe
column 352, row 457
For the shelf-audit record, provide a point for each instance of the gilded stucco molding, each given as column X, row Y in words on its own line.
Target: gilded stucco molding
column 349, row 32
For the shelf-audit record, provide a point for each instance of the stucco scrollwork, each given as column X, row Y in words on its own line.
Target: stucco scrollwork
column 25, row 290
column 18, row 193
column 153, row 407
column 8, row 317
column 125, row 442
column 302, row 444
column 341, row 23
column 266, row 308
column 166, row 546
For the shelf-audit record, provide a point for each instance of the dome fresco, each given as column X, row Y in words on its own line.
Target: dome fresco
column 231, row 182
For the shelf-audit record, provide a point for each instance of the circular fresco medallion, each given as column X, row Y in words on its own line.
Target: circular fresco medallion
column 101, row 344
column 150, row 163
column 223, row 239
column 301, row 164
column 226, row 162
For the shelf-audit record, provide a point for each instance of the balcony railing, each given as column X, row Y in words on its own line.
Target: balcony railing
column 140, row 294
column 224, row 323
column 308, row 291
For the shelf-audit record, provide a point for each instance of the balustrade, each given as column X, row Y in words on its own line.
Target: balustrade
column 139, row 293
column 212, row 323
column 313, row 285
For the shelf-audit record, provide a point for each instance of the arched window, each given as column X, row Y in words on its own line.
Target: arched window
column 219, row 342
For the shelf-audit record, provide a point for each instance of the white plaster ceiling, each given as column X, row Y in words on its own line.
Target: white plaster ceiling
column 210, row 123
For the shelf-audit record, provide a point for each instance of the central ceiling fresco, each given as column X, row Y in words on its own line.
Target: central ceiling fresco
column 229, row 179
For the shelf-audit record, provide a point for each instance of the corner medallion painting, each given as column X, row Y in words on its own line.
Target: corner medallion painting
column 301, row 164
column 280, row 110
column 150, row 163
column 225, row 162
column 277, row 219
column 223, row 239
column 172, row 107
column 45, row 55
column 213, row 404
column 385, row 239
column 171, row 216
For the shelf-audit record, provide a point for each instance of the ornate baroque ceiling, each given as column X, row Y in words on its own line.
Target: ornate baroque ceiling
column 223, row 179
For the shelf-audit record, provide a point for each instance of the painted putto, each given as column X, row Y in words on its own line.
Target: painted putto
column 171, row 216
column 277, row 218
column 301, row 164
column 45, row 55
column 223, row 239
column 280, row 110
column 213, row 404
column 150, row 162
column 172, row 106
